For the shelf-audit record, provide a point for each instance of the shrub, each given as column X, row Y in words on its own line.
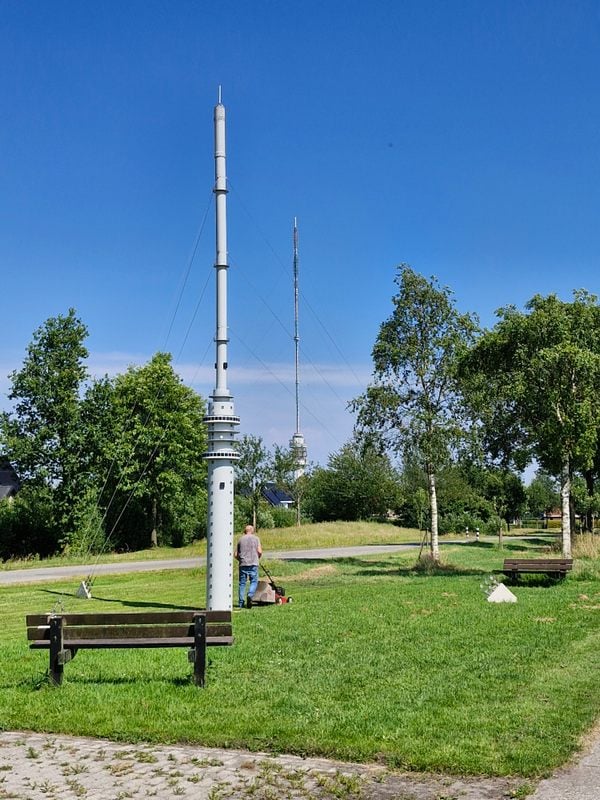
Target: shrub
column 458, row 523
column 243, row 514
column 27, row 525
column 283, row 517
column 88, row 534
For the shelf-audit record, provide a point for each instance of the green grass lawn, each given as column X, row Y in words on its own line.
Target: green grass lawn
column 372, row 661
column 325, row 534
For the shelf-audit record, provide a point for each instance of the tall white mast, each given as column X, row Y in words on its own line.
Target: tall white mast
column 220, row 420
column 297, row 443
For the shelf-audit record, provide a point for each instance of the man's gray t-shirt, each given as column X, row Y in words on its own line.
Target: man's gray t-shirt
column 248, row 550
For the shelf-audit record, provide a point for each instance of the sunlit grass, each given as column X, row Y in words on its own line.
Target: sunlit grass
column 326, row 534
column 587, row 545
column 373, row 660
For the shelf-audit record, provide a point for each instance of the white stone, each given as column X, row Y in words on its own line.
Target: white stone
column 501, row 595
column 83, row 591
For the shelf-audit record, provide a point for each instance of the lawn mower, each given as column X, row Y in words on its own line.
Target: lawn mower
column 268, row 593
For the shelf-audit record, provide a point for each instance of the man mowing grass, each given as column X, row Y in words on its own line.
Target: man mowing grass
column 248, row 553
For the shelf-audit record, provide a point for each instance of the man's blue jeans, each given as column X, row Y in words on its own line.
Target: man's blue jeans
column 248, row 574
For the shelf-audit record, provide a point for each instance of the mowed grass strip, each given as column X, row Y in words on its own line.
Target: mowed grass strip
column 372, row 661
column 323, row 534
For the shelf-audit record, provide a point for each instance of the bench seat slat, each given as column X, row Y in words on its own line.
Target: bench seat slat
column 547, row 562
column 127, row 631
column 105, row 644
column 547, row 567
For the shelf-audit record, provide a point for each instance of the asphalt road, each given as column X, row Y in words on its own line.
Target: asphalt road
column 44, row 574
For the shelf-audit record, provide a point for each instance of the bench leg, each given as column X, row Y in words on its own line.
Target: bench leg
column 55, row 671
column 200, row 650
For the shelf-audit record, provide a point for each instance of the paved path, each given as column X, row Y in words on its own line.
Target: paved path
column 577, row 781
column 51, row 767
column 43, row 574
column 42, row 766
column 36, row 766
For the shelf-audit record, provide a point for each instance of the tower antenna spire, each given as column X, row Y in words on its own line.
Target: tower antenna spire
column 297, row 444
column 220, row 420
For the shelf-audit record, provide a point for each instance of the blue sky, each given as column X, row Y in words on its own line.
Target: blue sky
column 460, row 137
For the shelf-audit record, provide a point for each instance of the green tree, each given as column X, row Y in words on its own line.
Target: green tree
column 27, row 524
column 542, row 494
column 499, row 486
column 414, row 509
column 42, row 436
column 359, row 483
column 154, row 489
column 585, row 505
column 592, row 502
column 415, row 401
column 536, row 383
column 285, row 476
column 253, row 471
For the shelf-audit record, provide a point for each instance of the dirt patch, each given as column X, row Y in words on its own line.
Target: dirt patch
column 315, row 572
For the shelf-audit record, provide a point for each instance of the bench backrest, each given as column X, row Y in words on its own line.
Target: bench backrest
column 563, row 563
column 129, row 625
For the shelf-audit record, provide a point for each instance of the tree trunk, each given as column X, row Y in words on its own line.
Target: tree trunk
column 154, row 534
column 565, row 498
column 572, row 516
column 435, row 545
column 500, row 536
column 590, row 486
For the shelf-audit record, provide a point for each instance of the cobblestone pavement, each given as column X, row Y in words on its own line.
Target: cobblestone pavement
column 55, row 767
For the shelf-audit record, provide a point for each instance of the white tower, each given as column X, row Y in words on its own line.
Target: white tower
column 220, row 419
column 297, row 442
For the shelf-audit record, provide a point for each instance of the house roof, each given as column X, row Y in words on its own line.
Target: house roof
column 275, row 496
column 9, row 481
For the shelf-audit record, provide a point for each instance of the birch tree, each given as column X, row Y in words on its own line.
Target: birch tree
column 414, row 402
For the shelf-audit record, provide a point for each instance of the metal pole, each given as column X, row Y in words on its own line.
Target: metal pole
column 296, row 330
column 220, row 420
column 297, row 445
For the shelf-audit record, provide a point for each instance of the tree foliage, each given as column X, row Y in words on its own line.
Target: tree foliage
column 542, row 494
column 359, row 483
column 535, row 382
column 414, row 402
column 286, row 476
column 117, row 462
column 42, row 436
column 253, row 471
column 155, row 485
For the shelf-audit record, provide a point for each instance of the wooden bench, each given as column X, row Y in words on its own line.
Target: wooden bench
column 64, row 634
column 553, row 567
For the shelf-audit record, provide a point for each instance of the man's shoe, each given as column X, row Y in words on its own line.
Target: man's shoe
column 249, row 603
